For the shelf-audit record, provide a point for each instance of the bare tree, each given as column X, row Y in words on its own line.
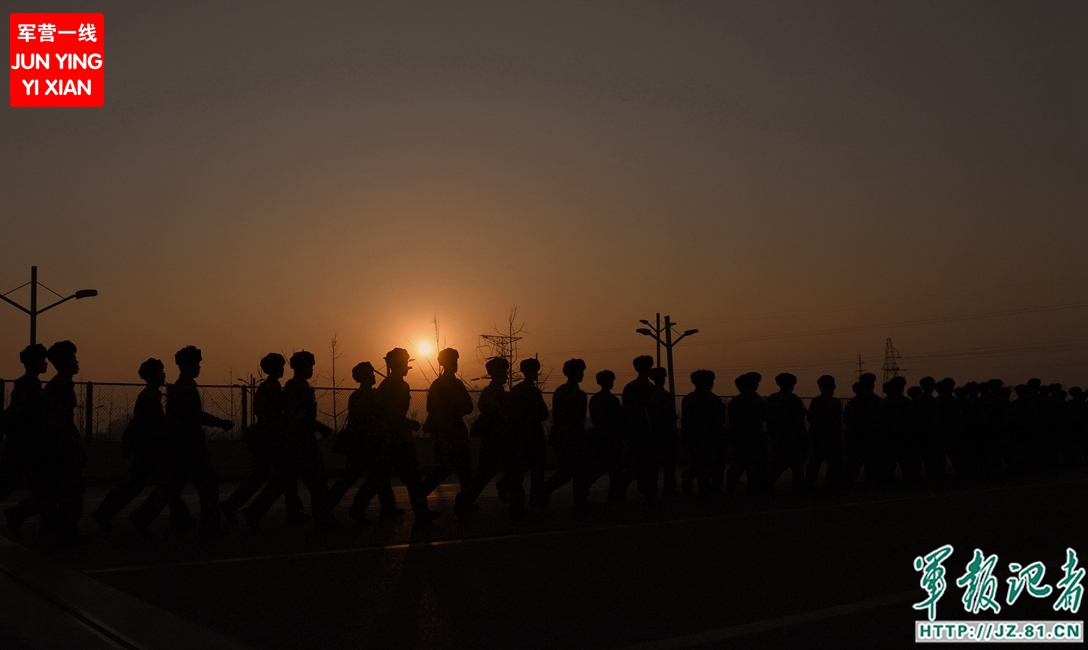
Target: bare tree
column 334, row 354
column 504, row 344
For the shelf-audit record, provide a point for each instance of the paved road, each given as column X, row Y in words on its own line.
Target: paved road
column 819, row 569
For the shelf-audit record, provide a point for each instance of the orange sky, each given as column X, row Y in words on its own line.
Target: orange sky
column 261, row 179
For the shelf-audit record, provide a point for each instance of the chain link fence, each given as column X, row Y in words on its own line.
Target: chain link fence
column 112, row 404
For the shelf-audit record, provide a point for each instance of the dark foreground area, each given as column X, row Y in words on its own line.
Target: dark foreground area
column 817, row 569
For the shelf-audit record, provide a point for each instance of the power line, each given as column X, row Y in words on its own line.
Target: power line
column 855, row 328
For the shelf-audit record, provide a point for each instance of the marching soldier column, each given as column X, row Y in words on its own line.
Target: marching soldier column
column 912, row 434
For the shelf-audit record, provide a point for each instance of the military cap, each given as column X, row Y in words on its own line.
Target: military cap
column 572, row 367
column 702, row 377
column 272, row 362
column 302, row 359
column 529, row 365
column 825, row 381
column 362, row 370
column 605, row 376
column 868, row 378
column 186, row 355
column 447, row 355
column 60, row 350
column 397, row 355
column 496, row 365
column 643, row 363
column 150, row 368
column 786, row 379
column 658, row 372
column 31, row 353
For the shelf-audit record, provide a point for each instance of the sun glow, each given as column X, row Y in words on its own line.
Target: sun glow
column 424, row 348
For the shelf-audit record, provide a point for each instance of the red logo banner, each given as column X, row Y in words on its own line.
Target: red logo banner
column 57, row 60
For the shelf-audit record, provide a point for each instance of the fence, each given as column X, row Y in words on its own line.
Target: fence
column 112, row 403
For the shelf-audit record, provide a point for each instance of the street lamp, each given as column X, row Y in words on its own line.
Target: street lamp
column 655, row 334
column 34, row 311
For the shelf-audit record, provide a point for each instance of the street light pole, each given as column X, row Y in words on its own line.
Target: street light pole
column 668, row 353
column 34, row 311
column 657, row 330
column 669, row 343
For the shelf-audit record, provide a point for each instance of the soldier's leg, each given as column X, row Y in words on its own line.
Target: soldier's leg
column 435, row 477
column 12, row 464
column 538, row 458
column 21, row 511
column 259, row 474
column 139, row 477
column 817, row 456
column 648, row 464
column 353, row 469
column 462, row 464
column 617, row 475
column 668, row 465
column 488, row 466
column 565, row 460
column 172, row 481
column 207, row 488
column 377, row 475
column 740, row 465
column 407, row 465
column 313, row 475
column 515, row 464
column 69, row 507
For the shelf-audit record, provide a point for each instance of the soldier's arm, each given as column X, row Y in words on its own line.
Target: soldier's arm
column 207, row 419
column 542, row 407
column 464, row 400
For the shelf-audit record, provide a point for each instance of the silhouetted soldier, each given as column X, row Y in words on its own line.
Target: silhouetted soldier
column 703, row 425
column 398, row 451
column 361, row 442
column 786, row 430
column 900, row 434
column 747, row 413
column 606, row 436
column 492, row 427
column 448, row 402
column 665, row 425
column 301, row 456
column 183, row 433
column 641, row 411
column 21, row 419
column 1022, row 422
column 999, row 423
column 1078, row 425
column 933, row 451
column 528, row 450
column 946, row 412
column 265, row 440
column 568, row 435
column 862, row 419
column 142, row 439
column 825, row 431
column 56, row 456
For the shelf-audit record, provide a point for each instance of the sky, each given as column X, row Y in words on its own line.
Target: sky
column 798, row 181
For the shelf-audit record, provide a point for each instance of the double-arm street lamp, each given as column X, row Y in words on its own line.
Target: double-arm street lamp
column 33, row 311
column 655, row 333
